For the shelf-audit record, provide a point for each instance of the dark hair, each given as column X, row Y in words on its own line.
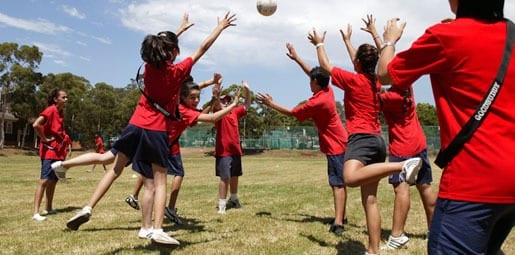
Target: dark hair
column 321, row 76
column 489, row 10
column 53, row 94
column 186, row 87
column 157, row 49
column 367, row 56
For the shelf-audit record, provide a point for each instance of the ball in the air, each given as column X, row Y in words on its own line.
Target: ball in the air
column 266, row 7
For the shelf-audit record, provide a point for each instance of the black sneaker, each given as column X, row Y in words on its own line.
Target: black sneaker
column 171, row 214
column 132, row 202
column 80, row 218
column 336, row 229
column 233, row 203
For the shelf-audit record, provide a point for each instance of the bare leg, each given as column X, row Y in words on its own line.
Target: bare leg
column 340, row 200
column 369, row 201
column 50, row 191
column 222, row 188
column 90, row 158
column 400, row 208
column 174, row 193
column 107, row 180
column 38, row 196
column 160, row 175
column 428, row 197
column 137, row 186
column 147, row 203
column 357, row 175
column 233, row 183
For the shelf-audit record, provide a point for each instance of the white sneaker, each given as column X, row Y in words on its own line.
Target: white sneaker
column 145, row 233
column 160, row 237
column 38, row 217
column 221, row 209
column 410, row 170
column 395, row 243
column 59, row 170
column 80, row 218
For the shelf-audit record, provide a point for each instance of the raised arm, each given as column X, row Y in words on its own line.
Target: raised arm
column 267, row 100
column 185, row 25
column 292, row 54
column 392, row 34
column 216, row 116
column 346, row 39
column 248, row 97
column 215, row 99
column 217, row 78
column 370, row 27
column 225, row 22
column 318, row 41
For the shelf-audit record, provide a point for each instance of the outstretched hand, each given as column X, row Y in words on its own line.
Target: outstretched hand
column 227, row 21
column 346, row 36
column 185, row 25
column 292, row 54
column 370, row 25
column 315, row 38
column 393, row 30
column 265, row 99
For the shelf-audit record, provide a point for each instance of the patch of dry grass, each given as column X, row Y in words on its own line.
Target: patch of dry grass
column 286, row 207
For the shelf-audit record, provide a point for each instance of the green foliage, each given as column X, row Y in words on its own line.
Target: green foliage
column 427, row 114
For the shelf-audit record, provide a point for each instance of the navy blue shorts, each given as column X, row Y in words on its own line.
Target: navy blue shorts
column 46, row 170
column 469, row 228
column 227, row 167
column 425, row 175
column 139, row 144
column 335, row 170
column 174, row 167
column 366, row 148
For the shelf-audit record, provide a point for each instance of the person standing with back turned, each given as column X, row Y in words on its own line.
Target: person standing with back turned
column 475, row 209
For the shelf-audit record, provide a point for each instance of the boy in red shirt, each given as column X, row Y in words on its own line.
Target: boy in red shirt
column 228, row 150
column 321, row 107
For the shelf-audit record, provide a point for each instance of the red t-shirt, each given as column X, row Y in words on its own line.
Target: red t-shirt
column 163, row 86
column 53, row 127
column 406, row 136
column 321, row 107
column 361, row 101
column 228, row 134
column 462, row 58
column 189, row 119
column 99, row 144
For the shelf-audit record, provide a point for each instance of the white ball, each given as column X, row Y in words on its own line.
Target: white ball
column 266, row 7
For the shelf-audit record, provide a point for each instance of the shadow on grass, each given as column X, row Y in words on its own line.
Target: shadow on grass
column 343, row 247
column 191, row 225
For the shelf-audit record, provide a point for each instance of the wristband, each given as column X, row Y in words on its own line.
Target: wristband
column 386, row 44
column 319, row 44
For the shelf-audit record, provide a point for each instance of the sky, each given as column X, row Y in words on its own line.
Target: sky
column 100, row 40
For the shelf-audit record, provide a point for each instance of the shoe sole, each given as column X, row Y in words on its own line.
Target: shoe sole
column 77, row 222
column 168, row 245
column 132, row 204
column 414, row 174
column 173, row 219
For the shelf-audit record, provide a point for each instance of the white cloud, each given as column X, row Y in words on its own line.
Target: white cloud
column 72, row 11
column 40, row 25
column 103, row 40
column 52, row 51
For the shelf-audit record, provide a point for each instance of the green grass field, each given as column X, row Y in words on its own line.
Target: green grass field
column 286, row 201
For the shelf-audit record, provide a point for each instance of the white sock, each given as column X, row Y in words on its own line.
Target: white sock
column 234, row 196
column 221, row 202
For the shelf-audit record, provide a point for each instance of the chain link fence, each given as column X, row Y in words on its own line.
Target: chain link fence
column 302, row 138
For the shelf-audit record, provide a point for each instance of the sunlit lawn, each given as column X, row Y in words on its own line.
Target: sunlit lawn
column 287, row 205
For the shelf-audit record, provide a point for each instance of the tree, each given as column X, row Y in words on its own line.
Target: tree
column 427, row 114
column 18, row 80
